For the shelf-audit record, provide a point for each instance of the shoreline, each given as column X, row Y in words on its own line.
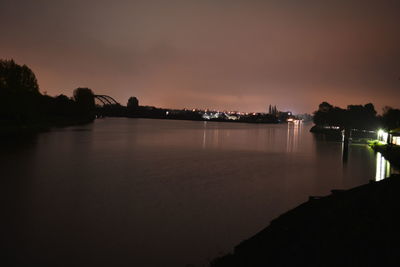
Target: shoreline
column 356, row 227
column 390, row 152
column 20, row 130
column 201, row 120
column 10, row 129
column 194, row 119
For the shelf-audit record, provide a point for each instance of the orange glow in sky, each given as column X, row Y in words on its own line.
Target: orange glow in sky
column 227, row 55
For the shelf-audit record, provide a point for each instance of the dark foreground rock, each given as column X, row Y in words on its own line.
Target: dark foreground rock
column 357, row 227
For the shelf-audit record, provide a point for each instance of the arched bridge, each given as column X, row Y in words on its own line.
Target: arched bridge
column 106, row 100
column 108, row 107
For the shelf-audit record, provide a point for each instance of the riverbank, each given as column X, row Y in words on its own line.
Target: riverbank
column 335, row 133
column 356, row 227
column 322, row 130
column 9, row 129
column 390, row 152
column 205, row 120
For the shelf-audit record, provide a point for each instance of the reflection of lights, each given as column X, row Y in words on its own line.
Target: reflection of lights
column 204, row 135
column 293, row 137
column 382, row 167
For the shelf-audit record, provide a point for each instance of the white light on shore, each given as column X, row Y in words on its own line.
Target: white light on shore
column 396, row 140
column 382, row 136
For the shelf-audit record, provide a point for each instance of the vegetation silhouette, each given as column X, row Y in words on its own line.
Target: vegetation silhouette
column 357, row 117
column 24, row 109
column 390, row 118
column 134, row 110
column 133, row 103
column 19, row 92
column 84, row 99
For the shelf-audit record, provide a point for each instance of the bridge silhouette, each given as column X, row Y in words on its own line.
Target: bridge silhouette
column 109, row 107
column 106, row 100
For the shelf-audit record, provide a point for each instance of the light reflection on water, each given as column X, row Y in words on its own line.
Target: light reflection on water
column 293, row 135
column 149, row 193
column 383, row 167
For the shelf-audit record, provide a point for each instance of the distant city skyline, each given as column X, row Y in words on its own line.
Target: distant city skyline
column 221, row 55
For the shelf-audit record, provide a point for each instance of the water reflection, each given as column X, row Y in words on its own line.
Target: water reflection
column 257, row 137
column 204, row 135
column 383, row 168
column 293, row 135
column 345, row 152
column 120, row 179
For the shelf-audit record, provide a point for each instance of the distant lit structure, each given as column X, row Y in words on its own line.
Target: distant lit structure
column 395, row 136
column 396, row 140
column 392, row 137
column 232, row 117
column 382, row 136
column 254, row 117
column 294, row 120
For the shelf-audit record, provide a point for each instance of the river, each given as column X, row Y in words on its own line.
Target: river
column 142, row 192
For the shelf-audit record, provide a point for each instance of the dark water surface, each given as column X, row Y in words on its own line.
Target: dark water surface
column 138, row 192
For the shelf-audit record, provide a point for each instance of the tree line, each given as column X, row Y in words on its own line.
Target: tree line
column 360, row 117
column 23, row 105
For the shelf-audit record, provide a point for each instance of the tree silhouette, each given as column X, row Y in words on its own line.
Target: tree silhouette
column 84, row 99
column 19, row 92
column 24, row 107
column 17, row 79
column 133, row 103
column 391, row 118
column 354, row 117
column 325, row 107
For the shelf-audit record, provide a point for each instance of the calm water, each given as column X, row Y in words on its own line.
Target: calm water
column 137, row 192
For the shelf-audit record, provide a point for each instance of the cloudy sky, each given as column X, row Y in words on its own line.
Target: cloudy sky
column 221, row 54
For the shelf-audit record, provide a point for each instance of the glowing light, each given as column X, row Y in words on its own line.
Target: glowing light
column 396, row 140
column 206, row 116
column 382, row 136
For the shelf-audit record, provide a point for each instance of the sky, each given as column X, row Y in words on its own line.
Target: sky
column 217, row 54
